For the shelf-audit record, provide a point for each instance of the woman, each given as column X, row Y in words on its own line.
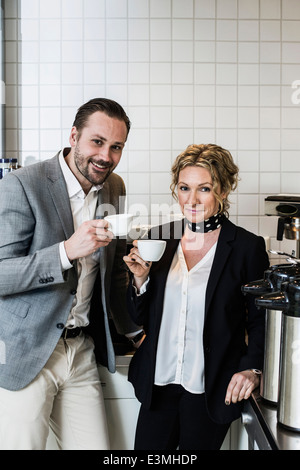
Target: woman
column 195, row 367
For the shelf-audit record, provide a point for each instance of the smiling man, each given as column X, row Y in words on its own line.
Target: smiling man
column 96, row 152
column 61, row 277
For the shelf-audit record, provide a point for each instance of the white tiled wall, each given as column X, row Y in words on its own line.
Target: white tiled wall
column 186, row 71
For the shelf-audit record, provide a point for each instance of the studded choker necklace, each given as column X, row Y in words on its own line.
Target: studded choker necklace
column 208, row 225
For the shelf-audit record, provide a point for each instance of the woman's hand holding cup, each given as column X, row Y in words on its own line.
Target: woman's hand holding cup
column 139, row 267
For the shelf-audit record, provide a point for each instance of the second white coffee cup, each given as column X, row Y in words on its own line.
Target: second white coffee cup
column 151, row 250
column 119, row 224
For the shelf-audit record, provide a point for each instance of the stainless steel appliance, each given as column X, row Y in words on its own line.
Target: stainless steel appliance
column 287, row 208
column 273, row 280
column 287, row 300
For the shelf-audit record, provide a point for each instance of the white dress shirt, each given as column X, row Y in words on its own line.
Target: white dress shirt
column 83, row 208
column 179, row 357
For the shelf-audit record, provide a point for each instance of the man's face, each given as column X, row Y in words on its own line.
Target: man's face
column 97, row 150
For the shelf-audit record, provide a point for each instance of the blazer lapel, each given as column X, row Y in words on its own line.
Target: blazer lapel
column 223, row 251
column 172, row 234
column 58, row 190
column 166, row 260
column 102, row 252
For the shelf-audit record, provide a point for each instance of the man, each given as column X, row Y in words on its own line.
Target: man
column 61, row 275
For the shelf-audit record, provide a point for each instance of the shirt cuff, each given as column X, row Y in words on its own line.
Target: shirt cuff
column 142, row 289
column 65, row 263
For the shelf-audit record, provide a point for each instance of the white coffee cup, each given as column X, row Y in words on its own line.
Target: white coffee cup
column 119, row 224
column 151, row 250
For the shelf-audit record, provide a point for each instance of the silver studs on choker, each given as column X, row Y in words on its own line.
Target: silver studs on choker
column 208, row 225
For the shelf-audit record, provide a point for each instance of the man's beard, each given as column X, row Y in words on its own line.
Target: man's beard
column 83, row 167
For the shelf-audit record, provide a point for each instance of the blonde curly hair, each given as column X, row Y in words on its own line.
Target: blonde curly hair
column 219, row 163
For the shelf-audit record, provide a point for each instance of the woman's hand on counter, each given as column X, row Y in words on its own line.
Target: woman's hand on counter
column 241, row 386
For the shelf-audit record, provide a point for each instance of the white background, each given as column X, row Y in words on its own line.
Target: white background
column 186, row 71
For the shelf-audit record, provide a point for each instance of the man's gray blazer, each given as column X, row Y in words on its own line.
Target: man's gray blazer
column 35, row 295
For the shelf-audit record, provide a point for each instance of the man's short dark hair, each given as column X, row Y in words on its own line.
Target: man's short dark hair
column 104, row 105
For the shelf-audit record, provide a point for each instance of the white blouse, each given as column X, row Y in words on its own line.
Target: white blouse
column 179, row 357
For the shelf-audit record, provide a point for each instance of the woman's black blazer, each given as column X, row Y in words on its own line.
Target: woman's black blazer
column 240, row 258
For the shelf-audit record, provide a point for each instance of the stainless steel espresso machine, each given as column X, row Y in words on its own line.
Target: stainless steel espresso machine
column 279, row 293
column 287, row 301
column 287, row 208
column 274, row 279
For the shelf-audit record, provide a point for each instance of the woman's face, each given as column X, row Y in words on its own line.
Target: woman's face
column 195, row 194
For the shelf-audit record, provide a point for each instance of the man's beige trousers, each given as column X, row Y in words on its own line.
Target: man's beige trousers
column 66, row 395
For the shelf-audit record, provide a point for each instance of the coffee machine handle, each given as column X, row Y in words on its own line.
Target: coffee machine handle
column 273, row 301
column 259, row 287
column 280, row 228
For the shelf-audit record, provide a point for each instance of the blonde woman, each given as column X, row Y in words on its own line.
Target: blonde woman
column 194, row 369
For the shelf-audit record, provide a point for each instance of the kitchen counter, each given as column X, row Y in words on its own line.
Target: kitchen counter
column 264, row 432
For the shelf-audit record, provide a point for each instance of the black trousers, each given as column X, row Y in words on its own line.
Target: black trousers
column 178, row 419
